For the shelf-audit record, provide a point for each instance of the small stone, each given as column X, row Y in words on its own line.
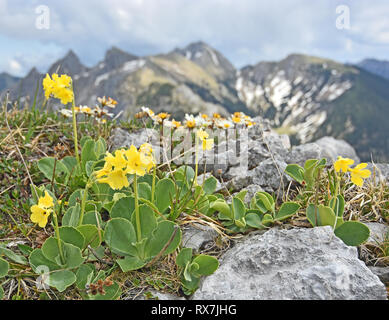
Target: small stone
column 196, row 235
column 378, row 232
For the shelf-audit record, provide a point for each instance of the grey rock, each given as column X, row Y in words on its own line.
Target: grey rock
column 300, row 154
column 196, row 235
column 270, row 175
column 292, row 264
column 381, row 272
column 241, row 178
column 332, row 148
column 378, row 232
column 121, row 138
column 202, row 177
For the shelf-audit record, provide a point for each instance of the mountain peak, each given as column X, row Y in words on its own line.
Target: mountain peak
column 115, row 57
column 378, row 67
column 70, row 64
column 209, row 59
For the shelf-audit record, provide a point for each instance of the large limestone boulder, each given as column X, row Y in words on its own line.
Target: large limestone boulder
column 292, row 264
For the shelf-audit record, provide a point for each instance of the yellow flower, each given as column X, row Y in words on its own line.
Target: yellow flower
column 359, row 173
column 207, row 144
column 176, row 124
column 190, row 123
column 216, row 115
column 40, row 212
column 342, row 164
column 59, row 87
column 236, row 119
column 116, row 179
column 204, row 116
column 202, row 134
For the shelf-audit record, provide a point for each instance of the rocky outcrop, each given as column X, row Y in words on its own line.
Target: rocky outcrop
column 309, row 264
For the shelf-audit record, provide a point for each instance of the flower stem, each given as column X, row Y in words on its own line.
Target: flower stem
column 83, row 202
column 137, row 218
column 196, row 161
column 153, row 184
column 75, row 134
column 55, row 219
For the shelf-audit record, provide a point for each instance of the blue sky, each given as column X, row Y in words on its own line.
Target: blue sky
column 245, row 31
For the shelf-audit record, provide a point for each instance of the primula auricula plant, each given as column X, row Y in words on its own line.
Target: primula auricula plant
column 331, row 212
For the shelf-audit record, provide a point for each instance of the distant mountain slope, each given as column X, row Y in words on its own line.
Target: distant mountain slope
column 309, row 97
column 7, row 81
column 378, row 67
column 306, row 97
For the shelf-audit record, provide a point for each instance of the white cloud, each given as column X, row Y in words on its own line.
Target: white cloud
column 245, row 31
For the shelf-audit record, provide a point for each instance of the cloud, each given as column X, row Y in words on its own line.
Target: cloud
column 245, row 31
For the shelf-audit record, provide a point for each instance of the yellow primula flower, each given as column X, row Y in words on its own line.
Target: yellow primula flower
column 207, row 144
column 359, row 173
column 59, row 87
column 116, row 179
column 202, row 134
column 342, row 164
column 40, row 212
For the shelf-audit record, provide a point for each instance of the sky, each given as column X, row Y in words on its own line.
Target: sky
column 36, row 33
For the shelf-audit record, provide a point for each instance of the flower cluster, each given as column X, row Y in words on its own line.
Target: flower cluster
column 98, row 112
column 41, row 211
column 130, row 161
column 59, row 87
column 358, row 173
column 200, row 121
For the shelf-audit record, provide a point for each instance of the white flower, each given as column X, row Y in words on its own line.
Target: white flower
column 66, row 113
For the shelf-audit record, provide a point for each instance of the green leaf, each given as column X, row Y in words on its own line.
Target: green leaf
column 327, row 216
column 130, row 263
column 339, row 205
column 60, row 279
column 71, row 216
column 253, row 220
column 210, row 185
column 38, row 261
column 184, row 257
column 100, row 147
column 1, row 292
column 296, row 172
column 239, row 208
column 164, row 191
column 313, row 215
column 161, row 236
column 147, row 219
column 13, row 256
column 84, row 275
column 267, row 219
column 88, row 153
column 71, row 164
column 91, row 234
column 353, row 233
column 207, row 264
column 46, row 166
column 4, row 267
column 119, row 234
column 241, row 195
column 287, row 210
column 222, row 206
column 26, row 250
column 144, row 190
column 123, row 208
column 93, row 217
column 267, row 200
column 72, row 235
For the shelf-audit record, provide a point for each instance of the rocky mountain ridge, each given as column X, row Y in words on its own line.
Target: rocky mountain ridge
column 305, row 97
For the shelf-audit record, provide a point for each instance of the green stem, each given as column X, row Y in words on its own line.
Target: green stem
column 75, row 134
column 58, row 237
column 336, row 192
column 196, row 161
column 137, row 218
column 153, row 184
column 83, row 202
